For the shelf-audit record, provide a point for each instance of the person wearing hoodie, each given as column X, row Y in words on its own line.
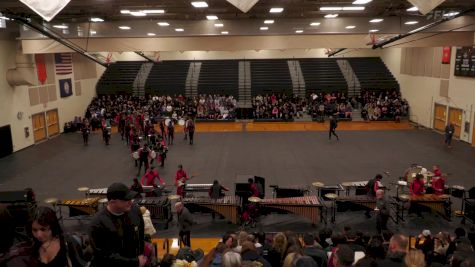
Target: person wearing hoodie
column 249, row 253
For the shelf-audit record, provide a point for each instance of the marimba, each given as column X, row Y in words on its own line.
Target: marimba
column 436, row 203
column 228, row 206
column 306, row 206
column 360, row 187
column 101, row 192
column 159, row 207
column 78, row 207
column 197, row 188
column 368, row 202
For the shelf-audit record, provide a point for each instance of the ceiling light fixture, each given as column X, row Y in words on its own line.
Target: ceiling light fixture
column 60, row 26
column 331, row 8
column 125, row 11
column 96, row 20
column 179, row 30
column 361, row 2
column 218, row 25
column 350, row 27
column 315, row 24
column 163, row 24
column 211, row 17
column 276, row 10
column 414, row 8
column 376, row 20
column 353, row 8
column 298, row 31
column 331, row 16
column 374, row 30
column 199, row 4
column 124, row 27
column 269, row 21
column 151, row 34
column 411, row 22
column 225, row 32
column 451, row 14
column 93, row 32
column 137, row 13
column 263, row 28
column 153, row 11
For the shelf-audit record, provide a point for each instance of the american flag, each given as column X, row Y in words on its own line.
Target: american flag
column 63, row 63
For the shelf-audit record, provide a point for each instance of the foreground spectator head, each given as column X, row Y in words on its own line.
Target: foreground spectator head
column 229, row 240
column 415, row 258
column 460, row 232
column 280, row 243
column 247, row 246
column 305, row 261
column 167, row 260
column 231, row 259
column 7, row 225
column 344, row 256
column 308, row 239
column 398, row 243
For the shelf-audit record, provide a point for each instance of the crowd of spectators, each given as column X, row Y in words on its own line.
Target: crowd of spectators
column 388, row 105
column 331, row 104
column 278, row 106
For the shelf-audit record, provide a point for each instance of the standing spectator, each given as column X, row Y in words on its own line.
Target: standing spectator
column 333, row 125
column 185, row 222
column 382, row 212
column 449, row 132
column 171, row 132
column 117, row 232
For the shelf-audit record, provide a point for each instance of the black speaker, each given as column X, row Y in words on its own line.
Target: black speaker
column 471, row 192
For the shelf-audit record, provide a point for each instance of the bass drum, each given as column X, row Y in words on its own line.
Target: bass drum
column 181, row 122
column 411, row 173
column 153, row 154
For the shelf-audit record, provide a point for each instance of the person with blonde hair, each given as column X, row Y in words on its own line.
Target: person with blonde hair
column 231, row 259
column 415, row 258
column 277, row 252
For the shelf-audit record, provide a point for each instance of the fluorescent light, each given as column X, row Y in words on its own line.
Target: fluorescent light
column 151, row 34
column 331, row 8
column 218, row 25
column 361, row 2
column 153, row 11
column 298, row 31
column 163, row 24
column 350, row 27
column 199, row 4
column 93, row 32
column 97, row 20
column 353, row 8
column 276, row 10
column 60, row 26
column 269, row 21
column 315, row 24
column 137, row 13
column 374, row 30
column 414, row 8
column 376, row 20
column 451, row 14
column 263, row 28
column 225, row 32
column 211, row 17
column 124, row 27
column 331, row 16
column 411, row 22
column 179, row 30
column 124, row 11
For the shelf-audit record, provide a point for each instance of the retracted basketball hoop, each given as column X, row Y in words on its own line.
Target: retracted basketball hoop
column 371, row 39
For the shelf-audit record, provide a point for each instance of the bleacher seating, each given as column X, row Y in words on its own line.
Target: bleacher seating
column 322, row 75
column 270, row 76
column 219, row 77
column 167, row 78
column 118, row 78
column 373, row 74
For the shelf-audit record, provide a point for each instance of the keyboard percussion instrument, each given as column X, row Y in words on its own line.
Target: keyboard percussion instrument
column 159, row 207
column 78, row 207
column 228, row 206
column 306, row 206
column 368, row 202
column 197, row 188
column 359, row 187
column 101, row 192
column 436, row 203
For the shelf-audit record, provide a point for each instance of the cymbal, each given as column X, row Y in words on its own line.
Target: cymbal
column 103, row 200
column 346, row 184
column 430, row 174
column 174, row 197
column 402, row 183
column 445, row 196
column 331, row 196
column 51, row 200
column 404, row 197
column 83, row 189
column 254, row 199
column 318, row 184
column 458, row 187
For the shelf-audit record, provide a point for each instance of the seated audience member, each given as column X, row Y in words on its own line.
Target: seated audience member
column 310, row 249
column 249, row 253
column 425, row 242
column 398, row 245
column 415, row 258
column 231, row 259
column 344, row 256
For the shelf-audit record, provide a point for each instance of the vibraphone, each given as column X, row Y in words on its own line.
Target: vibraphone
column 436, row 203
column 80, row 207
column 228, row 206
column 197, row 188
column 102, row 192
column 367, row 202
column 159, row 207
column 307, row 206
column 288, row 191
column 360, row 187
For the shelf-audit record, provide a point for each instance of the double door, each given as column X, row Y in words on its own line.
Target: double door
column 45, row 124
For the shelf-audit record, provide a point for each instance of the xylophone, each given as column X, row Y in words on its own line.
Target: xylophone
column 96, row 192
column 197, row 188
column 359, row 187
column 367, row 202
column 77, row 207
column 307, row 206
column 159, row 207
column 437, row 203
column 228, row 206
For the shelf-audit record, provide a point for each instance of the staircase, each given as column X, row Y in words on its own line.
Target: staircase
column 140, row 79
column 191, row 84
column 245, row 96
column 354, row 86
column 298, row 81
column 356, row 115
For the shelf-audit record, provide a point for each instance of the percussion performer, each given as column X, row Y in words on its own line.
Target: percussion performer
column 438, row 182
column 137, row 187
column 215, row 192
column 117, row 232
column 253, row 189
column 417, row 186
column 180, row 179
column 374, row 185
column 185, row 221
column 149, row 177
column 333, row 125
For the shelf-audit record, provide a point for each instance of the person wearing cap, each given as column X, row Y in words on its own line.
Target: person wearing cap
column 117, row 232
column 185, row 221
column 425, row 242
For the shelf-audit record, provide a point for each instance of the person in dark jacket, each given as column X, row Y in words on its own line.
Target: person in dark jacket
column 185, row 221
column 117, row 232
column 249, row 253
column 333, row 125
column 310, row 249
column 396, row 253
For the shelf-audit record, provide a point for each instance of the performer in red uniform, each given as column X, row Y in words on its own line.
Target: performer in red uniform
column 253, row 188
column 417, row 186
column 149, row 178
column 438, row 182
column 180, row 178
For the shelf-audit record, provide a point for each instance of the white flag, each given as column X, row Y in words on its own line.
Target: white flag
column 47, row 9
column 426, row 6
column 243, row 5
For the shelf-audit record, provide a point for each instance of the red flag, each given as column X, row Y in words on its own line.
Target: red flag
column 41, row 67
column 446, row 52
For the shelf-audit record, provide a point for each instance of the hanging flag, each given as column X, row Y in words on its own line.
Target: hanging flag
column 243, row 5
column 46, row 9
column 41, row 67
column 426, row 6
column 63, row 63
column 446, row 51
